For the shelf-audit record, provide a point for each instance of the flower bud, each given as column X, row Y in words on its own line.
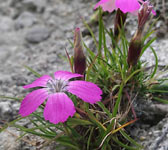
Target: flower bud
column 135, row 46
column 79, row 57
column 143, row 14
column 120, row 19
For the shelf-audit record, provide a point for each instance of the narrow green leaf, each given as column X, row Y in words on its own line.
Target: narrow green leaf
column 100, row 31
column 130, row 139
column 147, row 45
column 32, row 71
column 76, row 121
column 101, row 105
column 118, row 100
column 71, row 43
column 158, row 91
column 161, row 100
column 10, row 124
column 132, row 74
column 91, row 32
column 34, row 132
column 124, row 145
column 156, row 63
column 69, row 145
column 11, row 98
column 95, row 121
column 89, row 139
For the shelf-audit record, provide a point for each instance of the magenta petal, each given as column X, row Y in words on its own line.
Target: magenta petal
column 58, row 108
column 32, row 101
column 65, row 75
column 128, row 5
column 40, row 82
column 100, row 3
column 87, row 91
column 107, row 5
column 154, row 12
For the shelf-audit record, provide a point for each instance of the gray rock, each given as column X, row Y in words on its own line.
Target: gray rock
column 19, row 80
column 155, row 137
column 8, row 140
column 5, row 111
column 26, row 19
column 6, row 24
column 37, row 34
column 14, row 3
column 34, row 5
column 161, row 48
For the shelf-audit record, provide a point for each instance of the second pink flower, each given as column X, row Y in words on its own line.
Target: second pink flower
column 124, row 5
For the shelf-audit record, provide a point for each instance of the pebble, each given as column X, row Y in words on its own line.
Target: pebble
column 142, row 138
column 6, row 24
column 150, row 133
column 8, row 140
column 34, row 5
column 37, row 34
column 5, row 111
column 26, row 19
column 19, row 80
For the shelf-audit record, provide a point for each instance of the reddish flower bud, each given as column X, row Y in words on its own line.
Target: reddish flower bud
column 143, row 14
column 79, row 57
column 135, row 46
column 120, row 19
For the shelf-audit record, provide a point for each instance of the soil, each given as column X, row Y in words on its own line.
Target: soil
column 36, row 32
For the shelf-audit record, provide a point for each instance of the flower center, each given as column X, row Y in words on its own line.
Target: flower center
column 55, row 85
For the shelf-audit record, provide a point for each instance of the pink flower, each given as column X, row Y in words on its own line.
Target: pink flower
column 58, row 106
column 125, row 6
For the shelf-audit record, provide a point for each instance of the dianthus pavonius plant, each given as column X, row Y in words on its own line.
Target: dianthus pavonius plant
column 84, row 109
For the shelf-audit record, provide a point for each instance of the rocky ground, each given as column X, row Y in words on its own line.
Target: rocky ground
column 36, row 33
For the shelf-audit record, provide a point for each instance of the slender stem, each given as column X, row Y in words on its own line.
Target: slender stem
column 81, row 112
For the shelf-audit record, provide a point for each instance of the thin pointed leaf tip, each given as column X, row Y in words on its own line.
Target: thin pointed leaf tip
column 59, row 107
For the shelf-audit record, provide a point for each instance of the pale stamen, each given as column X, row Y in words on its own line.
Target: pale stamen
column 55, row 85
